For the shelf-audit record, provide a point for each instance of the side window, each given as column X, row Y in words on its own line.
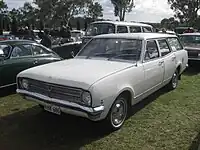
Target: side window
column 135, row 29
column 6, row 49
column 21, row 51
column 122, row 29
column 164, row 48
column 37, row 50
column 151, row 50
column 147, row 29
column 174, row 42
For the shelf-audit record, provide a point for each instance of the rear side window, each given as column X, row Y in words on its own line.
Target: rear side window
column 122, row 29
column 174, row 42
column 21, row 51
column 164, row 48
column 135, row 29
column 6, row 49
column 147, row 29
column 37, row 50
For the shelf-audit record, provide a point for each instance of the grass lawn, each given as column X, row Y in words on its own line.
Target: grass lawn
column 165, row 120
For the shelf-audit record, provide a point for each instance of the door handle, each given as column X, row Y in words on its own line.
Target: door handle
column 35, row 62
column 173, row 58
column 160, row 63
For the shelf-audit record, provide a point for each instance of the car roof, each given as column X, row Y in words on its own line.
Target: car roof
column 139, row 36
column 123, row 23
column 16, row 42
column 195, row 33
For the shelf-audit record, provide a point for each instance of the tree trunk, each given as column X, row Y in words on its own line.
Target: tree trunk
column 123, row 14
column 120, row 14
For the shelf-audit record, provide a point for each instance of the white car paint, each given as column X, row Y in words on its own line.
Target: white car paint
column 106, row 80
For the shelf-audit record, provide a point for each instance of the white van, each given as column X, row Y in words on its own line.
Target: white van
column 108, row 27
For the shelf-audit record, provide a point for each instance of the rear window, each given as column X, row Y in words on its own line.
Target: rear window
column 100, row 28
column 147, row 29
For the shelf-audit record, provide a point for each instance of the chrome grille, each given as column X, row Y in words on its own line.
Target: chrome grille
column 193, row 54
column 55, row 91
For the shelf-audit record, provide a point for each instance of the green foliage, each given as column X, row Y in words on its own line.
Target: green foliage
column 95, row 10
column 186, row 10
column 53, row 11
column 121, row 7
column 170, row 23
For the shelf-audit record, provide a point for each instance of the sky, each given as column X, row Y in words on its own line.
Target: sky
column 144, row 11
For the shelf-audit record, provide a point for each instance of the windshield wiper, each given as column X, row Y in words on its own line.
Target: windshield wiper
column 122, row 55
column 100, row 55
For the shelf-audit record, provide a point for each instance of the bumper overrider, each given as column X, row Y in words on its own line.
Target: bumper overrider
column 65, row 106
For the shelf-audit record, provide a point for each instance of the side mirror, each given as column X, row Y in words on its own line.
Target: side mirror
column 72, row 54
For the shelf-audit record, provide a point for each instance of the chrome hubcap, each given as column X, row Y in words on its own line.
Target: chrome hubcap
column 174, row 80
column 118, row 114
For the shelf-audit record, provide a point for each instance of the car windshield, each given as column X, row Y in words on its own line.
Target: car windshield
column 190, row 39
column 112, row 49
column 6, row 49
column 100, row 28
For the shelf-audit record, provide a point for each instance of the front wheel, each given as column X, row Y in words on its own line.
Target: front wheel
column 174, row 81
column 117, row 114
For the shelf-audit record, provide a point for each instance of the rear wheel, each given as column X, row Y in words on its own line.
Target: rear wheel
column 117, row 114
column 174, row 81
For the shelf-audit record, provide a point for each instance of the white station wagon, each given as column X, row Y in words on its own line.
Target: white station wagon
column 109, row 75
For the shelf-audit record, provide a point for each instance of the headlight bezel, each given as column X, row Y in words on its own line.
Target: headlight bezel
column 84, row 95
column 24, row 83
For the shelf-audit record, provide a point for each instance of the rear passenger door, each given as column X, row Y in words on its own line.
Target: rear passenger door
column 153, row 66
column 41, row 55
column 180, row 53
column 169, row 59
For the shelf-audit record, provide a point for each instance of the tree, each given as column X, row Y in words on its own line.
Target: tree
column 14, row 26
column 95, row 10
column 61, row 10
column 170, row 23
column 29, row 14
column 186, row 10
column 121, row 7
column 3, row 8
column 165, row 23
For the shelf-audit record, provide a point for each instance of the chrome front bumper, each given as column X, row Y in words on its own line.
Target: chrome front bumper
column 194, row 59
column 65, row 106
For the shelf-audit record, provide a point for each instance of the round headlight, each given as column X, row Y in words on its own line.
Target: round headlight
column 25, row 84
column 86, row 98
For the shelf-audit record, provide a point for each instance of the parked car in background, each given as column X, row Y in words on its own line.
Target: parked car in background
column 108, row 76
column 18, row 55
column 37, row 36
column 191, row 42
column 65, row 50
column 107, row 27
column 7, row 36
column 77, row 35
column 181, row 30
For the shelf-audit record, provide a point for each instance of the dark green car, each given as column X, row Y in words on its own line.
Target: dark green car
column 18, row 55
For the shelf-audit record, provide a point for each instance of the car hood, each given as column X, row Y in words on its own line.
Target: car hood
column 80, row 73
column 192, row 46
